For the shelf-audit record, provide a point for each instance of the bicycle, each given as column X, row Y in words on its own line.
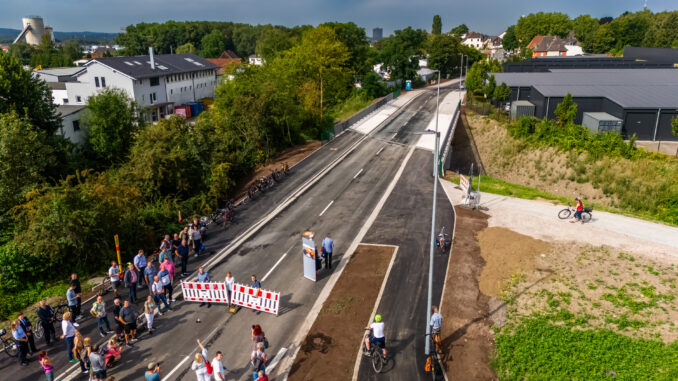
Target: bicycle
column 59, row 312
column 433, row 365
column 38, row 331
column 8, row 344
column 567, row 212
column 443, row 241
column 375, row 353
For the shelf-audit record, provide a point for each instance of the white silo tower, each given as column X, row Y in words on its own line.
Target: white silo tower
column 33, row 30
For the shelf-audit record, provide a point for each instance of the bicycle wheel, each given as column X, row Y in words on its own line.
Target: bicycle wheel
column 586, row 217
column 39, row 331
column 564, row 214
column 10, row 347
column 59, row 313
column 434, row 367
column 377, row 363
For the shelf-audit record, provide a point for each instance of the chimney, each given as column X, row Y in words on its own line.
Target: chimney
column 150, row 53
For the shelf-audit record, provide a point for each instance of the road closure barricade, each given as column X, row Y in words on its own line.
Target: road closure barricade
column 255, row 298
column 213, row 292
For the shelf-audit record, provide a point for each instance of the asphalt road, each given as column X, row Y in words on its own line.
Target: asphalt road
column 338, row 203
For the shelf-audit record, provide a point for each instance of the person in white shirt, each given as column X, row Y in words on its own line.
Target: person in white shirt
column 218, row 368
column 68, row 331
column 114, row 273
column 230, row 282
column 199, row 364
column 377, row 337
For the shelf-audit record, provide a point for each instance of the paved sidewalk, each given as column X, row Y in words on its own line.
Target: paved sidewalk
column 539, row 219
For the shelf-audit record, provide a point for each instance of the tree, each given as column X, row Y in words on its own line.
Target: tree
column 400, row 52
column 437, row 26
column 443, row 53
column 459, row 30
column 27, row 95
column 502, row 92
column 663, row 32
column 22, row 51
column 674, row 126
column 355, row 40
column 566, row 111
column 24, row 157
column 373, row 85
column 605, row 20
column 474, row 78
column 542, row 23
column 489, row 88
column 510, row 42
column 585, row 28
column 213, row 44
column 273, row 41
column 112, row 120
column 186, row 48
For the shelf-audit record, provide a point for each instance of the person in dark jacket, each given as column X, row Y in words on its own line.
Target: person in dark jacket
column 131, row 280
column 28, row 329
column 78, row 296
column 47, row 317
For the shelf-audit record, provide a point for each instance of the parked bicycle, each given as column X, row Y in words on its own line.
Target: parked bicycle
column 443, row 241
column 375, row 354
column 569, row 211
column 433, row 366
column 59, row 312
column 8, row 344
column 38, row 331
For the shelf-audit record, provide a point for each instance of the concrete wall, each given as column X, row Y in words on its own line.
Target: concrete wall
column 67, row 128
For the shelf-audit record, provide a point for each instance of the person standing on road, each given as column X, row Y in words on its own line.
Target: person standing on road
column 182, row 253
column 159, row 294
column 149, row 313
column 117, row 306
column 230, row 283
column 165, row 254
column 21, row 341
column 78, row 296
column 114, row 274
column 185, row 235
column 149, row 273
column 153, row 372
column 255, row 283
column 47, row 366
column 199, row 364
column 97, row 364
column 176, row 241
column 166, row 244
column 128, row 317
column 140, row 264
column 167, row 281
column 258, row 336
column 218, row 367
column 262, row 376
column 28, row 330
column 196, row 237
column 72, row 299
column 131, row 279
column 436, row 326
column 99, row 312
column 204, row 277
column 68, row 333
column 328, row 248
column 47, row 316
column 258, row 360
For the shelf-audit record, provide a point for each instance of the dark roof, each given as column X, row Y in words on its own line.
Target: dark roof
column 66, row 110
column 475, row 35
column 547, row 44
column 667, row 55
column 165, row 64
column 229, row 54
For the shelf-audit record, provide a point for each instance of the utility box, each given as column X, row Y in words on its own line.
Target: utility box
column 521, row 108
column 601, row 122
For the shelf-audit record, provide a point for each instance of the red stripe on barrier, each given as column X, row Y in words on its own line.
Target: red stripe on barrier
column 242, row 289
column 276, row 297
column 190, row 285
column 250, row 291
column 199, row 286
column 266, row 309
column 268, row 295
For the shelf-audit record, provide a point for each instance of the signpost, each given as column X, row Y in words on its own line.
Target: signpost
column 309, row 255
column 464, row 183
column 117, row 249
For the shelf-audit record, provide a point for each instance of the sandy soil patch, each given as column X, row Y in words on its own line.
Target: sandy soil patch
column 329, row 350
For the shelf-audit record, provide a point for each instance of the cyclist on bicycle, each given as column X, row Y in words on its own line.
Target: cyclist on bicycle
column 376, row 337
column 577, row 213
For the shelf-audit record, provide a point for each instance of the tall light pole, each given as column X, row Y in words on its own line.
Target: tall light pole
column 433, row 226
column 461, row 69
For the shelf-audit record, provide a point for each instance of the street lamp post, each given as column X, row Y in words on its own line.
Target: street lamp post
column 461, row 69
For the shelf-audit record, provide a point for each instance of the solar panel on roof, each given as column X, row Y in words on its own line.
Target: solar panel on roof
column 198, row 63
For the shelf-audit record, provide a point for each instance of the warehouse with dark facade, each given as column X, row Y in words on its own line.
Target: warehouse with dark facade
column 644, row 100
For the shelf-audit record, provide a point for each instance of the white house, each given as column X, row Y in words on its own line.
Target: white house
column 255, row 60
column 156, row 82
column 474, row 39
column 71, row 122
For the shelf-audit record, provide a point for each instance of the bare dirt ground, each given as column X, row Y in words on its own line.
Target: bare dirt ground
column 291, row 156
column 330, row 348
column 468, row 339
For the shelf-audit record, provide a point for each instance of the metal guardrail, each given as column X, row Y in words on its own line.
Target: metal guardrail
column 442, row 160
column 341, row 126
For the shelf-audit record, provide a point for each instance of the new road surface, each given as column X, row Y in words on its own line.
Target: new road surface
column 334, row 190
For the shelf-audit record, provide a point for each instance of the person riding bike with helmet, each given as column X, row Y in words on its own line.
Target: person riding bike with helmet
column 376, row 337
column 577, row 213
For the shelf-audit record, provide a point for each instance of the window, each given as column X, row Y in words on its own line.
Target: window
column 76, row 125
column 155, row 81
column 171, row 91
column 96, row 81
column 103, row 81
column 64, row 100
column 153, row 97
column 78, row 99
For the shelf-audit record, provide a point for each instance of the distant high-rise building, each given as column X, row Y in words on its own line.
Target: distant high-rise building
column 377, row 34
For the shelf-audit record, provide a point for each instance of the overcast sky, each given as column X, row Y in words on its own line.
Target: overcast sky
column 486, row 16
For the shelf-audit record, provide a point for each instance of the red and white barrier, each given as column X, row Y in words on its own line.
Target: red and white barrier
column 256, row 299
column 214, row 292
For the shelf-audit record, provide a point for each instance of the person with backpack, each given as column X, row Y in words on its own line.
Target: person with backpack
column 258, row 360
column 202, row 368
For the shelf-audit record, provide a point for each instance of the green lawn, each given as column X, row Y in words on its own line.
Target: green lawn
column 500, row 187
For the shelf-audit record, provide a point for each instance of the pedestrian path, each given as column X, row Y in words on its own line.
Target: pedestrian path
column 372, row 121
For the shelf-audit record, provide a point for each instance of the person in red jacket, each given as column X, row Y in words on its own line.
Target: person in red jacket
column 580, row 209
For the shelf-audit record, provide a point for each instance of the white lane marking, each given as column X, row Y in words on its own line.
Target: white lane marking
column 359, row 172
column 327, row 207
column 274, row 266
column 394, row 135
column 179, row 365
column 378, row 152
column 67, row 373
column 313, row 313
column 276, row 360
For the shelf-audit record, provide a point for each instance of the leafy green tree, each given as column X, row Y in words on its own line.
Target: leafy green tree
column 437, row 26
column 373, row 85
column 459, row 30
column 27, row 95
column 186, row 48
column 274, row 41
column 213, row 44
column 400, row 52
column 355, row 40
column 22, row 51
column 443, row 53
column 542, row 23
column 502, row 92
column 112, row 120
column 245, row 39
column 663, row 31
column 72, row 51
column 489, row 88
column 566, row 111
column 585, row 28
column 24, row 157
column 674, row 126
column 474, row 78
column 510, row 42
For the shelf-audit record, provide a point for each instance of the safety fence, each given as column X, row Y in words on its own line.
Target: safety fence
column 240, row 295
